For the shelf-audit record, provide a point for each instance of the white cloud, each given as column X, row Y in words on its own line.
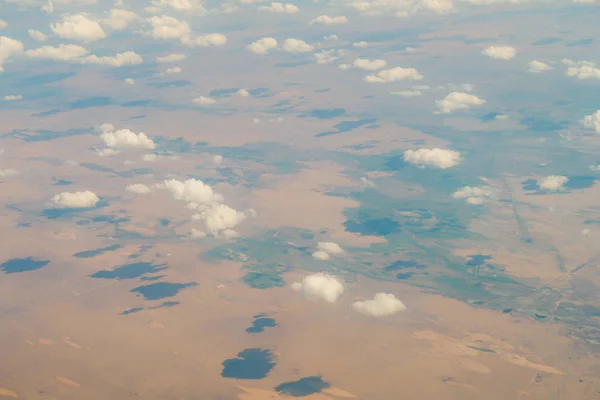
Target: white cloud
column 129, row 81
column 3, row 24
column 149, row 157
column 63, row 52
column 472, row 195
column 280, row 8
column 13, row 97
column 138, row 188
column 381, row 305
column 242, row 93
column 8, row 48
column 580, row 69
column 592, row 121
column 123, row 139
column 209, row 40
column 458, row 101
column 118, row 60
column 180, row 4
column 296, row 46
column 220, row 218
column 394, row 75
column 327, row 20
column 217, row 160
column 192, row 191
column 165, row 27
column 119, row 19
column 328, row 56
column 173, row 70
column 204, row 101
column 366, row 182
column 78, row 27
column 169, row 58
column 320, row 286
column 85, row 199
column 437, row 158
column 360, row 44
column 262, row 46
column 369, row 65
column 536, row 66
column 500, row 52
column 331, row 37
column 7, row 173
column 330, row 247
column 553, row 183
column 407, row 93
column 37, row 35
column 321, row 255
column 400, row 8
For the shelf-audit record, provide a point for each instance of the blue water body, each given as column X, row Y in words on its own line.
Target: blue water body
column 546, row 41
column 260, row 323
column 303, row 387
column 129, row 271
column 132, row 310
column 327, row 113
column 161, row 290
column 249, row 364
column 62, row 182
column 346, row 126
column 95, row 252
column 372, row 227
column 16, row 265
column 580, row 42
column 169, row 84
column 96, row 101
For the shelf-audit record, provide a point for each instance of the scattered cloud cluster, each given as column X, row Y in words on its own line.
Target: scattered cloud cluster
column 394, row 75
column 592, row 121
column 435, row 158
column 84, row 199
column 553, row 183
column 8, row 49
column 326, row 250
column 472, row 194
column 582, row 69
column 280, row 8
column 381, row 305
column 327, row 20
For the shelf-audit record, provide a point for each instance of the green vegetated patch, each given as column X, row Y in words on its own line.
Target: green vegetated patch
column 263, row 280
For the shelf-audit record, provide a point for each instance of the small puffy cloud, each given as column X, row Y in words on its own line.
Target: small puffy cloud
column 169, row 58
column 436, row 158
column 119, row 19
column 123, row 139
column 296, row 46
column 78, row 27
column 129, row 81
column 13, row 97
column 204, row 101
column 458, row 101
column 331, row 37
column 592, row 121
column 327, row 20
column 217, row 160
column 472, row 195
column 330, row 247
column 321, row 255
column 381, row 305
column 553, row 183
column 62, row 52
column 209, row 40
column 536, row 66
column 7, row 173
column 262, row 46
column 394, row 75
column 242, row 93
column 3, row 24
column 280, row 8
column 192, row 191
column 173, row 70
column 328, row 56
column 149, row 157
column 165, row 27
column 500, row 52
column 138, row 188
column 197, row 234
column 366, row 182
column 580, row 69
column 118, row 60
column 369, row 65
column 360, row 44
column 37, row 35
column 85, row 199
column 320, row 286
column 180, row 4
column 8, row 48
column 220, row 218
column 407, row 93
